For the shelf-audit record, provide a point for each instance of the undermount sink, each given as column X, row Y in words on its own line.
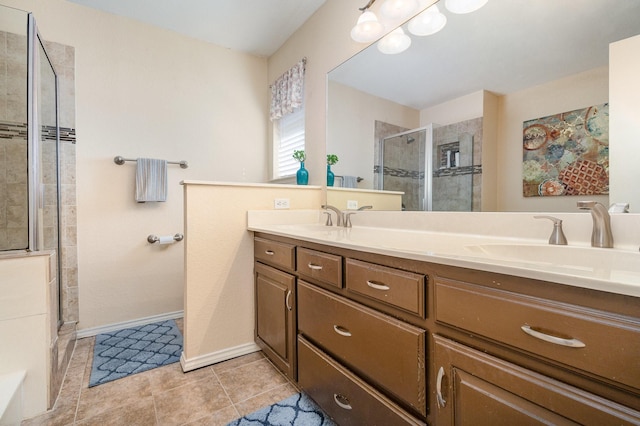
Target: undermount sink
column 586, row 258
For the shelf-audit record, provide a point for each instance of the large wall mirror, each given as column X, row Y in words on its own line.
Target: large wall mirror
column 465, row 93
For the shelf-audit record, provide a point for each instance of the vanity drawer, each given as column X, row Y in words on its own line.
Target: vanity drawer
column 382, row 349
column 395, row 287
column 320, row 266
column 604, row 344
column 275, row 253
column 342, row 395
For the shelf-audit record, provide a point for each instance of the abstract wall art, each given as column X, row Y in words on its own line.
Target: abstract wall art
column 567, row 153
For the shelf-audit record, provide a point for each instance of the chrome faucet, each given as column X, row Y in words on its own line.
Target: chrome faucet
column 365, row 208
column 601, row 235
column 339, row 215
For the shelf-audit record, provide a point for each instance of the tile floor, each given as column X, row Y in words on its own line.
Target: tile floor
column 209, row 396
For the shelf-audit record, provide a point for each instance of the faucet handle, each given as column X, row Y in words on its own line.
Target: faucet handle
column 347, row 219
column 557, row 236
column 329, row 222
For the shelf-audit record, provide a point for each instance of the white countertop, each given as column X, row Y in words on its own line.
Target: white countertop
column 611, row 270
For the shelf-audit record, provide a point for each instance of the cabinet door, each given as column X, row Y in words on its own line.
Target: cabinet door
column 473, row 388
column 275, row 317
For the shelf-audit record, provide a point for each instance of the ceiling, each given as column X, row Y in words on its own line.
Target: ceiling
column 258, row 27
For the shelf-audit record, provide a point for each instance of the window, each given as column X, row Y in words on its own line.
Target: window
column 287, row 114
column 288, row 135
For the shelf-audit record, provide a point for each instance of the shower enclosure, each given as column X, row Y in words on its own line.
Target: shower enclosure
column 432, row 166
column 29, row 141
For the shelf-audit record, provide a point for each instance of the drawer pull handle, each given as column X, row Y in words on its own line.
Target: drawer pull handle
column 269, row 252
column 572, row 343
column 314, row 266
column 287, row 302
column 341, row 331
column 341, row 401
column 439, row 398
column 377, row 286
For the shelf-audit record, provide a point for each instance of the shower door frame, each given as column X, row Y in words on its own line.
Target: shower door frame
column 34, row 142
column 427, row 201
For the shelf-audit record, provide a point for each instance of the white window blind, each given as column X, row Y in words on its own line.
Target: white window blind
column 288, row 136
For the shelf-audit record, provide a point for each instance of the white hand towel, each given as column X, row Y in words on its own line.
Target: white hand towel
column 151, row 180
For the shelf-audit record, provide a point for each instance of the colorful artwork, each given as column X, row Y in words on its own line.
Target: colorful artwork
column 567, row 153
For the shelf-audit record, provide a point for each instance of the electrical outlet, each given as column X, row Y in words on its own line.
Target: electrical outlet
column 352, row 204
column 281, row 203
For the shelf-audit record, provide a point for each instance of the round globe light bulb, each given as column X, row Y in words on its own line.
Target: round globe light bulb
column 428, row 22
column 394, row 42
column 367, row 29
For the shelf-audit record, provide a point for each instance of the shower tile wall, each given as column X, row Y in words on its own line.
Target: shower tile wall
column 458, row 188
column 13, row 170
column 13, row 142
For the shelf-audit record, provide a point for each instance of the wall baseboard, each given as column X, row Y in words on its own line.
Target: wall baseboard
column 94, row 331
column 215, row 357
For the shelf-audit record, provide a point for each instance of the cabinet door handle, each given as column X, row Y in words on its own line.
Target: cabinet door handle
column 439, row 398
column 314, row 266
column 377, row 286
column 341, row 331
column 341, row 401
column 286, row 301
column 562, row 341
column 269, row 252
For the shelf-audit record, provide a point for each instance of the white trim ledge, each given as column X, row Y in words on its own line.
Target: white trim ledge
column 215, row 357
column 94, row 331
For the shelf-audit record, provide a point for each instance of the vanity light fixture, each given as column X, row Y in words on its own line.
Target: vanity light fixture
column 367, row 29
column 427, row 22
column 394, row 42
column 464, row 6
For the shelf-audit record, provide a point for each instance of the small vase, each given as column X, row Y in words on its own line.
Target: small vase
column 330, row 176
column 302, row 175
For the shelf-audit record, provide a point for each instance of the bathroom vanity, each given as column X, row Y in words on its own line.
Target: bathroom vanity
column 386, row 339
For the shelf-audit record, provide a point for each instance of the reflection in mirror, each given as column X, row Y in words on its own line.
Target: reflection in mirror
column 490, row 66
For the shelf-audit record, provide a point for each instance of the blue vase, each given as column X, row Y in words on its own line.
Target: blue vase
column 302, row 175
column 330, row 176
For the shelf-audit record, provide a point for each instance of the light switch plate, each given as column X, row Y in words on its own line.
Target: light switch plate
column 352, row 204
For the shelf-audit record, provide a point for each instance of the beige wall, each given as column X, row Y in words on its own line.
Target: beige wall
column 350, row 133
column 219, row 296
column 624, row 125
column 378, row 200
column 146, row 92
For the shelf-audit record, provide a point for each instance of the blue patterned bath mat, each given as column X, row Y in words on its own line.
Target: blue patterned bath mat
column 297, row 410
column 134, row 350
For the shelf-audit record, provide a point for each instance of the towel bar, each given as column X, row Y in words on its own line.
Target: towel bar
column 119, row 160
column 154, row 238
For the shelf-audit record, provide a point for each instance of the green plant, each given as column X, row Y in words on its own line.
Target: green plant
column 299, row 155
column 332, row 159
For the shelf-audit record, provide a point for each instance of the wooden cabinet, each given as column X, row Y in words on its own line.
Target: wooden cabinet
column 275, row 304
column 420, row 342
column 387, row 352
column 473, row 388
column 590, row 340
column 347, row 398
